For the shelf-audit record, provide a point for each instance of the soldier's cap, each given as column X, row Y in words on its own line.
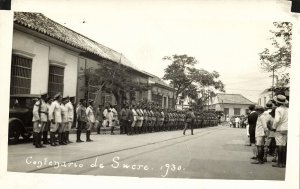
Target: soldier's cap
column 57, row 96
column 259, row 108
column 49, row 99
column 90, row 101
column 65, row 98
column 72, row 97
column 82, row 100
column 43, row 95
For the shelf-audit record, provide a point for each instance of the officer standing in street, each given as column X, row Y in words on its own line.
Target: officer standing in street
column 55, row 117
column 81, row 118
column 189, row 120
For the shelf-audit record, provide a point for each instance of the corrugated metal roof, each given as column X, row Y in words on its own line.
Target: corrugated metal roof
column 233, row 99
column 44, row 25
column 157, row 80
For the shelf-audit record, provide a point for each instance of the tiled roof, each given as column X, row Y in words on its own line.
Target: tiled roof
column 233, row 99
column 157, row 80
column 44, row 25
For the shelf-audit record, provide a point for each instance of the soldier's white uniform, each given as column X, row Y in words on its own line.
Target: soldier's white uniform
column 39, row 112
column 134, row 114
column 90, row 118
column 70, row 112
column 64, row 116
column 55, row 115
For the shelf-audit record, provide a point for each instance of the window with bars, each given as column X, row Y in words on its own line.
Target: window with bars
column 20, row 75
column 56, row 80
column 226, row 111
column 237, row 111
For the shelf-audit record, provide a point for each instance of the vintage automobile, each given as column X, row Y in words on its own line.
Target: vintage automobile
column 20, row 116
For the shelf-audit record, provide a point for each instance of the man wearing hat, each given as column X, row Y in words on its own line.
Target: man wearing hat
column 62, row 129
column 47, row 126
column 90, row 120
column 189, row 120
column 70, row 111
column 269, row 133
column 260, row 130
column 55, row 117
column 39, row 119
column 280, row 124
column 252, row 119
column 81, row 118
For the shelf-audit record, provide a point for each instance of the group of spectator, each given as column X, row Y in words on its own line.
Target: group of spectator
column 268, row 127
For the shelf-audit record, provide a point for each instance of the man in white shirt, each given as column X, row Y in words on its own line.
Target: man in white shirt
column 39, row 119
column 90, row 120
column 260, row 130
column 55, row 117
column 280, row 124
column 237, row 122
column 70, row 115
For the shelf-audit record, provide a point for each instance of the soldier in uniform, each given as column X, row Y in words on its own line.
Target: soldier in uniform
column 166, row 119
column 134, row 121
column 145, row 122
column 64, row 124
column 70, row 110
column 47, row 125
column 150, row 119
column 55, row 117
column 129, row 120
column 140, row 119
column 39, row 119
column 99, row 118
column 115, row 120
column 81, row 119
column 90, row 120
column 189, row 120
column 123, row 117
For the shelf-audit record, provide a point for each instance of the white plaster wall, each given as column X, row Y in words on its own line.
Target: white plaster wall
column 40, row 69
column 24, row 43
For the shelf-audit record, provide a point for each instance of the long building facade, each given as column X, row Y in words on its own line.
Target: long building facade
column 50, row 58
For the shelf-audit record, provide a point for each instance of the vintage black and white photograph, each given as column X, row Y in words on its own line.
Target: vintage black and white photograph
column 171, row 90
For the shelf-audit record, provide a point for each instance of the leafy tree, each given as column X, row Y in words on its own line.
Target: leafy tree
column 111, row 78
column 186, row 79
column 280, row 55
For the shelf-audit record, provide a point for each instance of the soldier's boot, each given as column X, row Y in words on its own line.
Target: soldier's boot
column 40, row 141
column 112, row 130
column 34, row 139
column 280, row 157
column 87, row 134
column 68, row 137
column 65, row 138
column 283, row 156
column 78, row 136
column 265, row 154
column 45, row 137
column 52, row 139
column 60, row 139
column 98, row 130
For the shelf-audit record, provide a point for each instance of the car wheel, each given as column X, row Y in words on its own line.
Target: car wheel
column 15, row 134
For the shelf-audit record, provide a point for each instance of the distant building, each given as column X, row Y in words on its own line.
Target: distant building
column 231, row 104
column 160, row 93
column 266, row 95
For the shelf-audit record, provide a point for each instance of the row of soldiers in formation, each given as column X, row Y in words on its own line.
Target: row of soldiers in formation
column 57, row 116
column 137, row 119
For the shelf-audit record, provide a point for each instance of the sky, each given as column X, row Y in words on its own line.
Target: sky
column 225, row 36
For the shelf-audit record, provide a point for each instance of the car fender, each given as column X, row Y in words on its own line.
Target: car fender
column 11, row 120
